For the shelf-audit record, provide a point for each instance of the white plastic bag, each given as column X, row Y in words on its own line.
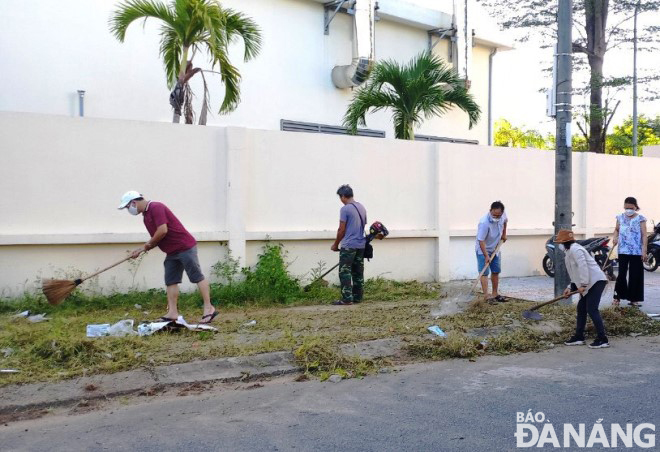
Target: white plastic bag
column 122, row 328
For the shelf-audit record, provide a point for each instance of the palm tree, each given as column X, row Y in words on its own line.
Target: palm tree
column 423, row 88
column 191, row 26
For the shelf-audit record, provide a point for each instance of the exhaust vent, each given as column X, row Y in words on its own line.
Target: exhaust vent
column 358, row 71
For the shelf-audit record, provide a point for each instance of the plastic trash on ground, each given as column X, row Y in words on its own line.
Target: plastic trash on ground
column 98, row 330
column 250, row 323
column 122, row 328
column 147, row 329
column 119, row 329
column 9, row 371
column 37, row 318
column 21, row 314
column 435, row 329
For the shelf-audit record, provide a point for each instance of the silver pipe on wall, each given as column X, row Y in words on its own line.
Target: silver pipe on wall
column 490, row 96
column 363, row 62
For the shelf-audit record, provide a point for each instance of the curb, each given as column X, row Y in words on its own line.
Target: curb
column 41, row 395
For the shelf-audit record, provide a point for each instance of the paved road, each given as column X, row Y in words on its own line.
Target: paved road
column 450, row 405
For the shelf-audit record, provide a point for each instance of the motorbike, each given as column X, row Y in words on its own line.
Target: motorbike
column 653, row 250
column 597, row 247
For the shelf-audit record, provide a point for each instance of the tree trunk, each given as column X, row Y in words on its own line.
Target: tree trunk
column 176, row 117
column 596, row 21
column 404, row 129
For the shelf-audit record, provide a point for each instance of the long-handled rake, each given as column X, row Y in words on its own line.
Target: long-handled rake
column 533, row 315
column 57, row 290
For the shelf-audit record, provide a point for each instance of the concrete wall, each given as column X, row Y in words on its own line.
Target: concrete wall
column 652, row 151
column 51, row 49
column 61, row 180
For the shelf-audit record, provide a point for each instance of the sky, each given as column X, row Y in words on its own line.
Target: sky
column 518, row 77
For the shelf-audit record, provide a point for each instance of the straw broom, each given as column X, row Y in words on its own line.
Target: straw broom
column 57, row 290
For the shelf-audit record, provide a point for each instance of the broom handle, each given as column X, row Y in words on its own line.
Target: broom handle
column 554, row 300
column 605, row 264
column 106, row 268
column 486, row 267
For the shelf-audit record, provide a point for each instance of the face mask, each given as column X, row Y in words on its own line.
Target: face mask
column 630, row 212
column 561, row 247
column 133, row 210
column 495, row 220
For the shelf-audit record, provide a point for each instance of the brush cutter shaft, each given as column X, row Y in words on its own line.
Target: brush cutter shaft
column 554, row 300
column 486, row 267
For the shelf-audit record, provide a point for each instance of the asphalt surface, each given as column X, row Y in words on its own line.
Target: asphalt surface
column 448, row 405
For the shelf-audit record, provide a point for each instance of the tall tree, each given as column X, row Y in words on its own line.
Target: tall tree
column 509, row 135
column 421, row 89
column 599, row 26
column 190, row 27
column 620, row 140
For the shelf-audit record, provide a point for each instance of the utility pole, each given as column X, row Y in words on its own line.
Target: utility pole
column 634, row 137
column 563, row 153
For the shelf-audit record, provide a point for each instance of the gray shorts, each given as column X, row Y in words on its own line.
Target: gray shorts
column 185, row 260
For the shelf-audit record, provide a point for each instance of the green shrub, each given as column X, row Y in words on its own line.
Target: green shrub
column 268, row 282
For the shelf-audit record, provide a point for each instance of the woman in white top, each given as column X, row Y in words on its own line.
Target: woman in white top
column 630, row 234
column 589, row 280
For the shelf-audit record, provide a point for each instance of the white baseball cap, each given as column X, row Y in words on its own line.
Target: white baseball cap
column 128, row 197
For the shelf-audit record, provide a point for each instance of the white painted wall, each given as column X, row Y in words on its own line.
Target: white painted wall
column 62, row 179
column 51, row 49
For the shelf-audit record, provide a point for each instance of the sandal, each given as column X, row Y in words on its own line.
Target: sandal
column 166, row 319
column 342, row 303
column 501, row 299
column 210, row 317
column 636, row 304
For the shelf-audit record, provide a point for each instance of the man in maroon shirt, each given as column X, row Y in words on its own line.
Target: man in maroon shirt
column 168, row 234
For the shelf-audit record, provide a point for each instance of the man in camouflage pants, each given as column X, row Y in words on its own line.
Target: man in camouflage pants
column 350, row 236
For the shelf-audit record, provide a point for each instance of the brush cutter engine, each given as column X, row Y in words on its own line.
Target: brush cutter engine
column 377, row 231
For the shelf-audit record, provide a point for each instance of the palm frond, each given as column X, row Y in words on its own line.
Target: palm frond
column 422, row 88
column 231, row 78
column 132, row 10
column 238, row 24
column 366, row 100
column 170, row 51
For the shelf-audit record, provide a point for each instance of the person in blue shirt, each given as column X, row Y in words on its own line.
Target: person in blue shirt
column 491, row 229
column 350, row 243
column 631, row 236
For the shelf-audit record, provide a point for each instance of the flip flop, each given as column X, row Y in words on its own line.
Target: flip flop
column 210, row 317
column 166, row 319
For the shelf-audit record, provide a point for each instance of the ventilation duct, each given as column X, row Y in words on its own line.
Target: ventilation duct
column 358, row 71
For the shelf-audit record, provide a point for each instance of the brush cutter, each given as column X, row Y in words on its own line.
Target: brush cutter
column 533, row 315
column 57, row 290
column 376, row 231
column 309, row 286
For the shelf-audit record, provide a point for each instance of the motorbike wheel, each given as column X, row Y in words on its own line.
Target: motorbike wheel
column 548, row 266
column 651, row 264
